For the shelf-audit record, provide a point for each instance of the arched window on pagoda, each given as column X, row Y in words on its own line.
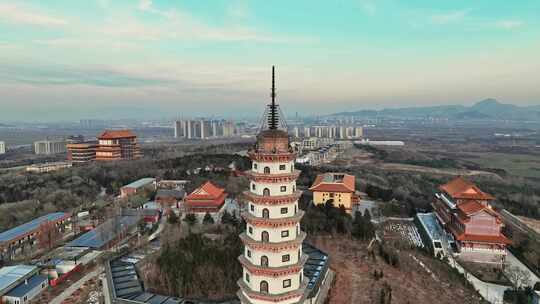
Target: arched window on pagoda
column 264, row 261
column 265, row 213
column 266, row 192
column 265, row 237
column 266, row 170
column 264, row 287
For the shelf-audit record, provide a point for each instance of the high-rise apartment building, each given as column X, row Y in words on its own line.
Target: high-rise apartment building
column 203, row 129
column 359, row 132
column 228, row 129
column 2, row 147
column 49, row 147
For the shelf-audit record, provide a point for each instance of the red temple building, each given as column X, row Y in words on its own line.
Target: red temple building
column 117, row 145
column 207, row 198
column 82, row 153
column 465, row 211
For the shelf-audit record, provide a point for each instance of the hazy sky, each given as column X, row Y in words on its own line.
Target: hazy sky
column 65, row 59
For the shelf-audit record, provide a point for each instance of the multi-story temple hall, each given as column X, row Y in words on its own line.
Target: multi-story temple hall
column 465, row 211
column 278, row 267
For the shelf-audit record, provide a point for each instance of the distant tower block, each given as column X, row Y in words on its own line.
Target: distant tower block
column 273, row 259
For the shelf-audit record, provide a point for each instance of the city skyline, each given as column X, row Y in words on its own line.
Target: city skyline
column 134, row 59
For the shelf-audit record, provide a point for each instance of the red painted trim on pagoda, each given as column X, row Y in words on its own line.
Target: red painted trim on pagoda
column 273, row 222
column 271, row 157
column 272, row 247
column 272, row 200
column 274, row 272
column 272, row 178
column 297, row 293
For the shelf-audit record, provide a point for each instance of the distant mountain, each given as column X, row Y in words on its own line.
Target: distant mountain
column 485, row 109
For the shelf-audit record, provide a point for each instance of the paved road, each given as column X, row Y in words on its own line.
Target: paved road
column 493, row 293
column 71, row 289
column 106, row 294
column 513, row 261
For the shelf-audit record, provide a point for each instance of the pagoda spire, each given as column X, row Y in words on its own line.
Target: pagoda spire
column 273, row 117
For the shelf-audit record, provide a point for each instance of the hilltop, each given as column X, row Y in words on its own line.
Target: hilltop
column 486, row 109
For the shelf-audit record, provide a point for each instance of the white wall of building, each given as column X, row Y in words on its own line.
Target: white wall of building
column 274, row 259
column 274, row 211
column 276, row 235
column 275, row 285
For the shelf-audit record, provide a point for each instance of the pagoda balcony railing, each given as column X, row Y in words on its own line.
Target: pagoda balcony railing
column 480, row 249
column 273, row 247
column 271, row 157
column 272, row 199
column 273, row 178
column 446, row 200
column 266, row 296
column 273, row 271
column 273, row 222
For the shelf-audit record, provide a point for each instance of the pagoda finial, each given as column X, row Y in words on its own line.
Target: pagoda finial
column 273, row 119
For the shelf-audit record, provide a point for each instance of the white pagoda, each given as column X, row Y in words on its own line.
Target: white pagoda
column 273, row 259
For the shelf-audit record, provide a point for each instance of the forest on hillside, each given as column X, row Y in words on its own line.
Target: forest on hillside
column 25, row 196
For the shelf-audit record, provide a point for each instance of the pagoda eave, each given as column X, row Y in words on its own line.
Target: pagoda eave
column 298, row 293
column 273, row 247
column 273, row 271
column 273, row 178
column 272, row 200
column 271, row 157
column 273, row 223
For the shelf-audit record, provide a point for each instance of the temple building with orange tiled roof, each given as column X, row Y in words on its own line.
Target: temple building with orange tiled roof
column 466, row 213
column 338, row 187
column 117, row 145
column 207, row 198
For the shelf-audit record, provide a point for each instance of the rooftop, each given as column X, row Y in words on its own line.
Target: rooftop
column 334, row 182
column 140, row 183
column 471, row 207
column 315, row 268
column 431, row 225
column 23, row 288
column 116, row 134
column 460, row 188
column 178, row 194
column 9, row 275
column 104, row 233
column 208, row 193
column 27, row 228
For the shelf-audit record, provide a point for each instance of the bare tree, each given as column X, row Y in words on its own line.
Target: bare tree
column 518, row 277
column 48, row 235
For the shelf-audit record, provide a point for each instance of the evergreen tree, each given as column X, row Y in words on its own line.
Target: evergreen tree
column 172, row 218
column 226, row 218
column 208, row 219
column 190, row 219
column 234, row 220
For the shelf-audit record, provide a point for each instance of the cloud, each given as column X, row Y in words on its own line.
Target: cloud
column 181, row 25
column 148, row 6
column 449, row 17
column 66, row 75
column 16, row 14
column 509, row 24
column 368, row 7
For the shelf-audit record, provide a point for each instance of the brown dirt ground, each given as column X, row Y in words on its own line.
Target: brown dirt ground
column 410, row 283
